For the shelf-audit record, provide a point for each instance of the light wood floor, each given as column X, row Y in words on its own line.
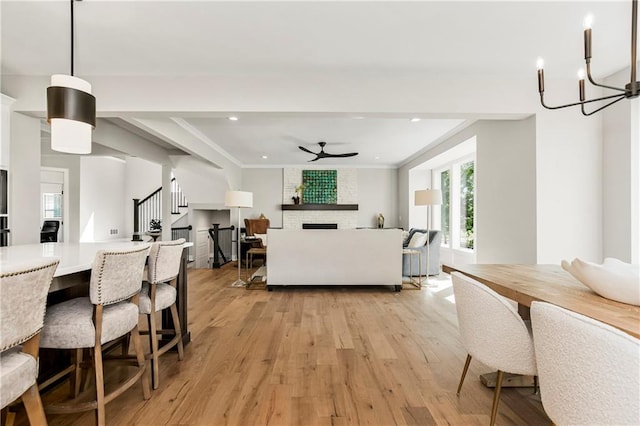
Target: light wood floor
column 315, row 356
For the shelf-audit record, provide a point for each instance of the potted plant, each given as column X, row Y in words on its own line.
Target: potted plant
column 297, row 199
column 155, row 226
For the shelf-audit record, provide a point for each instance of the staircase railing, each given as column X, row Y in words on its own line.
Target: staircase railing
column 150, row 208
column 183, row 232
column 221, row 238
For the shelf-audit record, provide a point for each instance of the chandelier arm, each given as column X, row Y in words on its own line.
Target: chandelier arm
column 620, row 97
column 598, row 84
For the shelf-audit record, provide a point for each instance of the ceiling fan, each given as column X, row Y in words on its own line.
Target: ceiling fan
column 323, row 154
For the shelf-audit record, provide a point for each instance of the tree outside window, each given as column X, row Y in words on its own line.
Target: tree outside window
column 445, row 187
column 466, row 205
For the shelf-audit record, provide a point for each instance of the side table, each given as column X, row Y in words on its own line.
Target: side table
column 411, row 253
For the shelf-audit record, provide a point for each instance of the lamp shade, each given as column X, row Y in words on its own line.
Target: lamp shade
column 428, row 197
column 238, row 199
column 71, row 111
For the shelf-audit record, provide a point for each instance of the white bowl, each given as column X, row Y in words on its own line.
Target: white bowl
column 614, row 279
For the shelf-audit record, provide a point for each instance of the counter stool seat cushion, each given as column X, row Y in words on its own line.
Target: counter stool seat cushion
column 165, row 296
column 18, row 372
column 69, row 325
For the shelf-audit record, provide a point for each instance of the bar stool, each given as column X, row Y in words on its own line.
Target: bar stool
column 22, row 308
column 109, row 313
column 159, row 293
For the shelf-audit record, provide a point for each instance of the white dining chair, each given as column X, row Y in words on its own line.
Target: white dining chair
column 159, row 293
column 589, row 371
column 109, row 313
column 492, row 332
column 23, row 302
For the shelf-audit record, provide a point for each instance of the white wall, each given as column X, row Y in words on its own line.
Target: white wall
column 506, row 192
column 5, row 129
column 377, row 193
column 102, row 191
column 24, row 178
column 569, row 186
column 142, row 178
column 620, row 181
column 505, row 189
column 266, row 185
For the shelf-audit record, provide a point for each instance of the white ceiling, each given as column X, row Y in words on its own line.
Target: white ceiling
column 200, row 38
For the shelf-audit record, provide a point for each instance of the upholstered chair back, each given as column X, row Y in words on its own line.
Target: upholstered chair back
column 164, row 260
column 256, row 226
column 589, row 371
column 23, row 301
column 116, row 275
column 492, row 331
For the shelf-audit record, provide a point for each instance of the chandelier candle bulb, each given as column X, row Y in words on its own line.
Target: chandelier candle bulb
column 540, row 66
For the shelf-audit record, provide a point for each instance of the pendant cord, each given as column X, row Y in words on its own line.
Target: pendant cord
column 72, row 36
column 634, row 38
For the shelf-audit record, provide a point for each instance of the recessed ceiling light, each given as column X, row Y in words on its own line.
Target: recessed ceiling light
column 415, row 119
column 377, row 158
column 264, row 157
column 358, row 117
column 233, row 118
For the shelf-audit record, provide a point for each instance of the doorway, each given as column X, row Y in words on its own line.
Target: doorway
column 54, row 199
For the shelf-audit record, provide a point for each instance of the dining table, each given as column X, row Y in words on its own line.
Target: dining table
column 527, row 283
column 549, row 283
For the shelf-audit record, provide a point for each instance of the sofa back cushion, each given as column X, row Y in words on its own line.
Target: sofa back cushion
column 418, row 239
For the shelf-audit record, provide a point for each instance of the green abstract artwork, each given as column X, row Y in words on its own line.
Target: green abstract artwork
column 320, row 187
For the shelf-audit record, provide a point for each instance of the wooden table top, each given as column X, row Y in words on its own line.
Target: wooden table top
column 552, row 284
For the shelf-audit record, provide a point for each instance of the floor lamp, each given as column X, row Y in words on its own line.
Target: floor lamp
column 428, row 197
column 239, row 199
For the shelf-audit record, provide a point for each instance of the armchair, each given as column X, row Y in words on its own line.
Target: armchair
column 434, row 254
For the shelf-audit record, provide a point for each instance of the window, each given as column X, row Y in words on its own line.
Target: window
column 456, row 216
column 466, row 205
column 52, row 205
column 445, row 187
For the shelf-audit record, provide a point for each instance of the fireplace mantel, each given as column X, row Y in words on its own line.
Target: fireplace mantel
column 319, row 207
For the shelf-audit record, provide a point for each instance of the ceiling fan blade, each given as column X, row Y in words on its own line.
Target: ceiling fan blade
column 350, row 154
column 315, row 159
column 306, row 150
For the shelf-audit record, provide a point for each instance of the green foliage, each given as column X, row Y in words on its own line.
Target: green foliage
column 467, row 201
column 155, row 225
column 445, row 187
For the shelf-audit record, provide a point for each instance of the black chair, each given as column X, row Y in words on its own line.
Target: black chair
column 49, row 231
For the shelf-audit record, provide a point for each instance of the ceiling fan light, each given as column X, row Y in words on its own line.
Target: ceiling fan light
column 71, row 111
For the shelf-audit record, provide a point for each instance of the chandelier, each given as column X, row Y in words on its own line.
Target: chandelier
column 631, row 90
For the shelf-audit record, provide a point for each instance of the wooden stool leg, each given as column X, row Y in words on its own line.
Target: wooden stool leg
column 75, row 380
column 155, row 379
column 33, row 406
column 496, row 397
column 137, row 346
column 101, row 418
column 178, row 330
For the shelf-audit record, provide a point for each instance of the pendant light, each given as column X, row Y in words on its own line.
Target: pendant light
column 71, row 110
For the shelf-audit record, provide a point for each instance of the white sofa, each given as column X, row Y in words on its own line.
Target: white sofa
column 334, row 257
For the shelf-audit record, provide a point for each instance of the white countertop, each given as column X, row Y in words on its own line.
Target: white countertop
column 74, row 257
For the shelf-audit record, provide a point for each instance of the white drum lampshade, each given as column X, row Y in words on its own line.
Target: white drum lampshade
column 71, row 111
column 428, row 197
column 238, row 199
